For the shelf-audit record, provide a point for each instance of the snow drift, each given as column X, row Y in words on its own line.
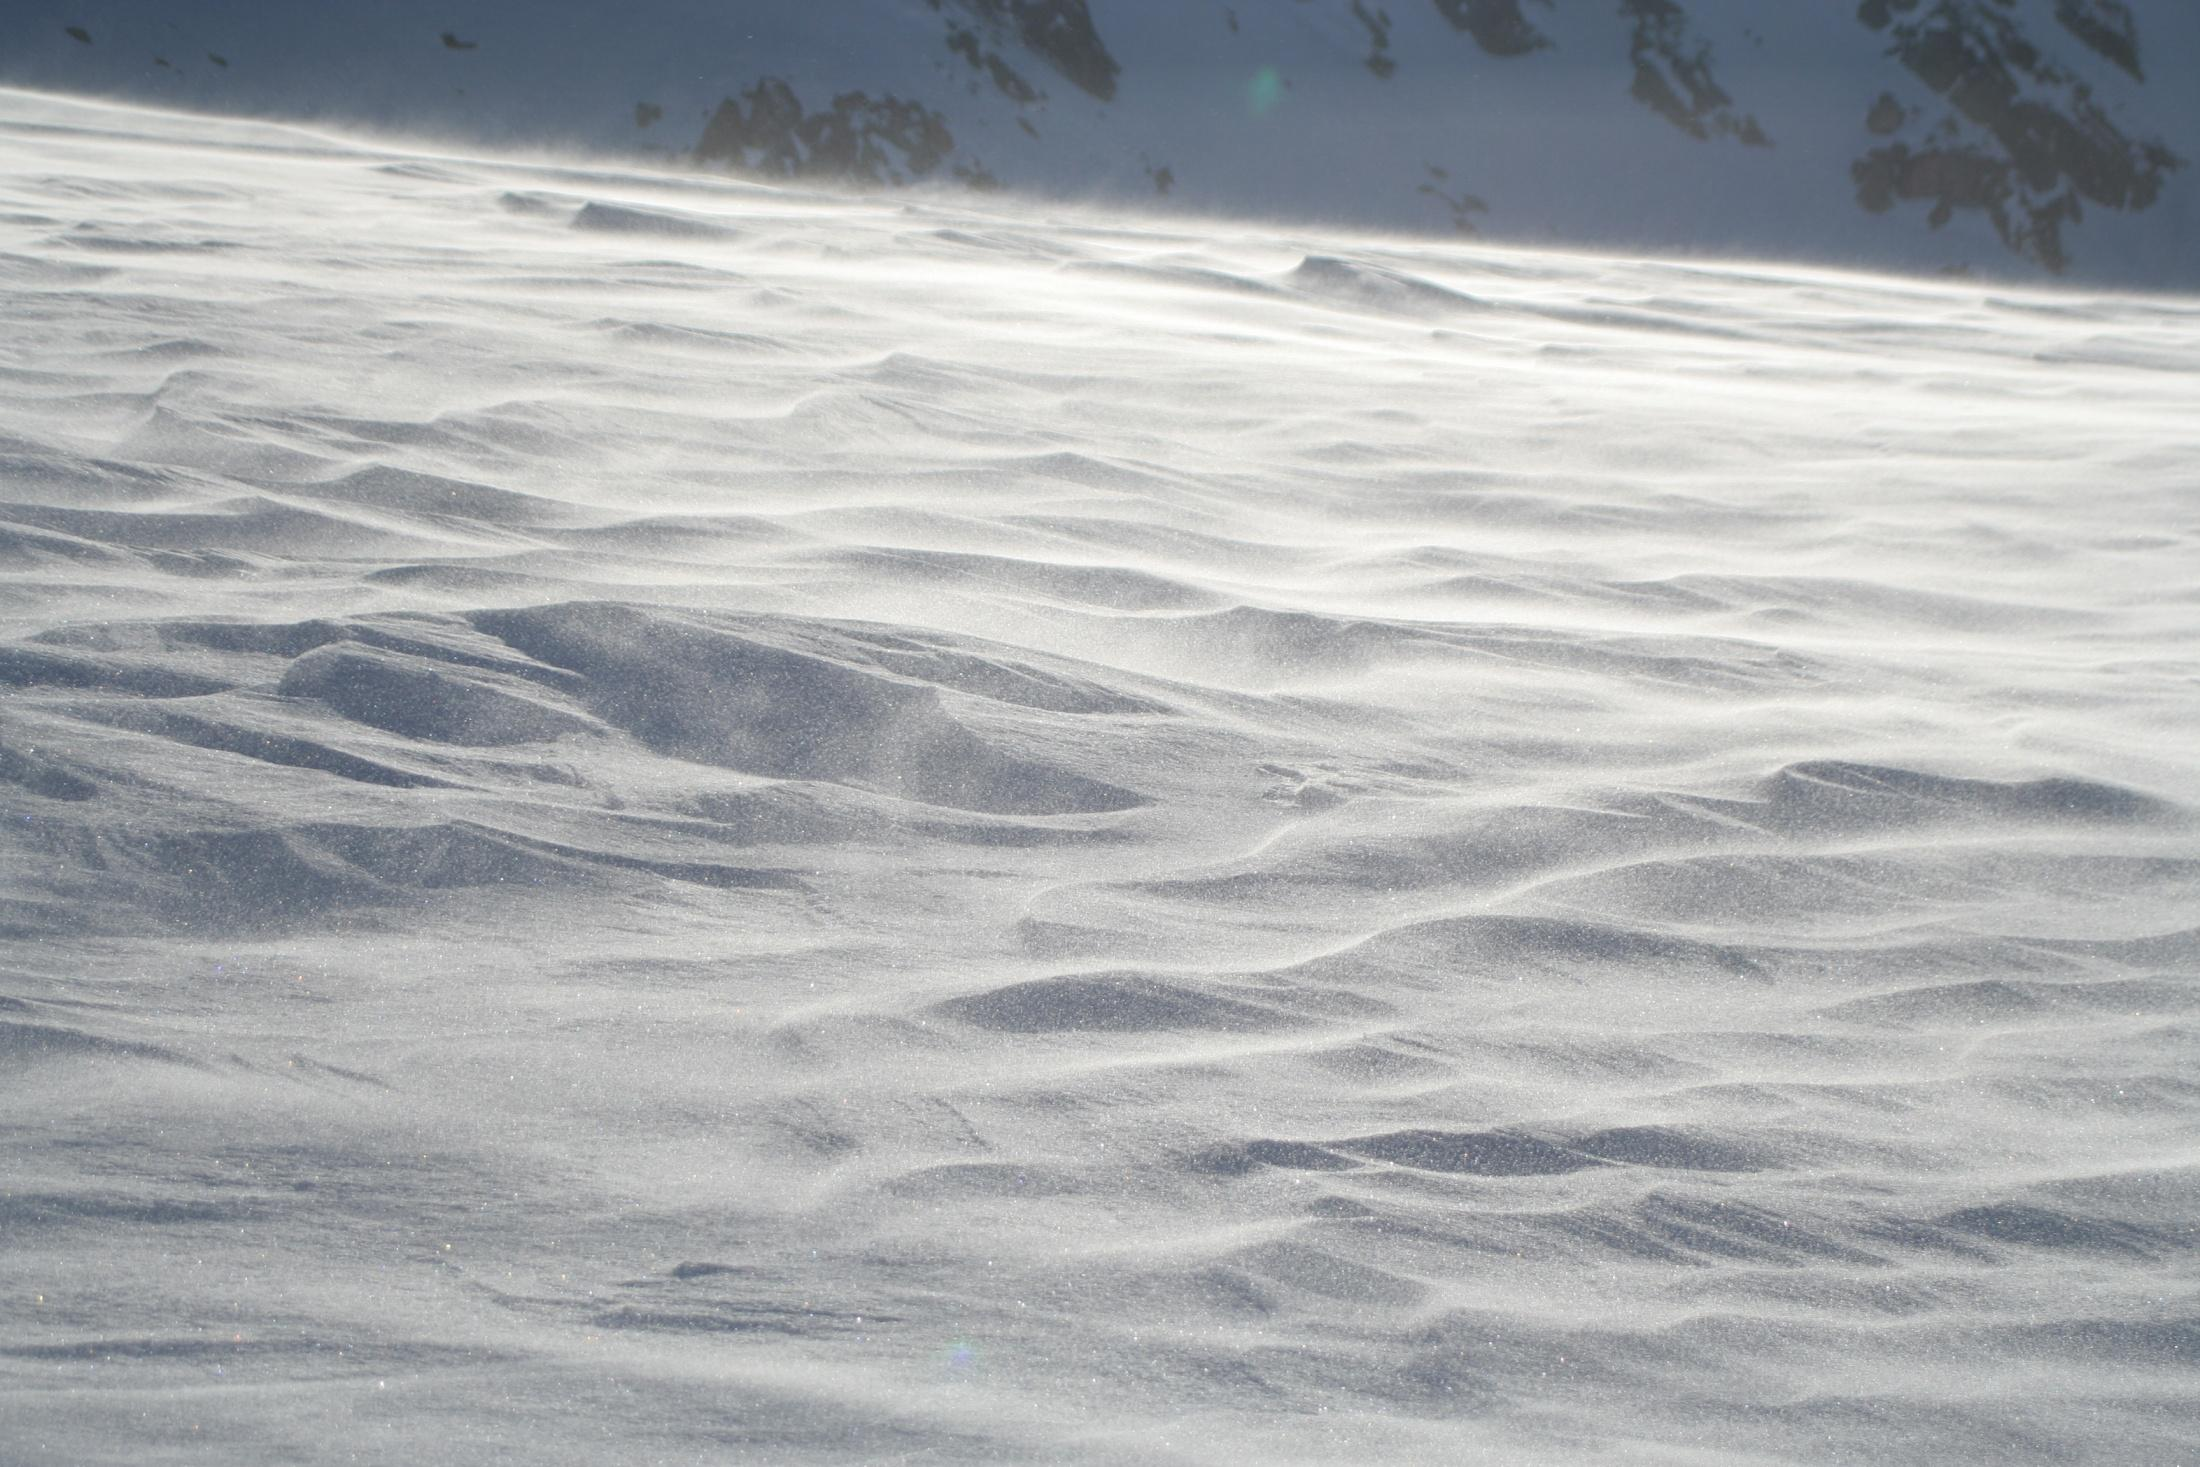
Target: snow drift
column 655, row 817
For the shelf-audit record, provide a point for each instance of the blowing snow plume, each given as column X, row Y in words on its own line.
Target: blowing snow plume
column 2019, row 138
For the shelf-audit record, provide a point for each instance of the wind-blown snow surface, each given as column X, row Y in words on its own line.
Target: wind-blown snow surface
column 656, row 819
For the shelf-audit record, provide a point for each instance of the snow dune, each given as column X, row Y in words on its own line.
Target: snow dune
column 653, row 818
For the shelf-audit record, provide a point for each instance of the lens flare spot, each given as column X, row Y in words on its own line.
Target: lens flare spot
column 1264, row 91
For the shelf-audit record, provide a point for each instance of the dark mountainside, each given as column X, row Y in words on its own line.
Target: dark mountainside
column 2010, row 133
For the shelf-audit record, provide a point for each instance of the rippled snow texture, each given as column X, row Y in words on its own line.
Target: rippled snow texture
column 653, row 819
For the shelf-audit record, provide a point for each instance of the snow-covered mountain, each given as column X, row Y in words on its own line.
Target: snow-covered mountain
column 2027, row 136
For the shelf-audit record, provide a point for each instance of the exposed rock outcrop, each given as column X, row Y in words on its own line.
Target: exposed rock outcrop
column 1058, row 32
column 1463, row 206
column 989, row 63
column 1673, row 75
column 1377, row 21
column 1497, row 26
column 859, row 138
column 2107, row 26
column 2022, row 140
